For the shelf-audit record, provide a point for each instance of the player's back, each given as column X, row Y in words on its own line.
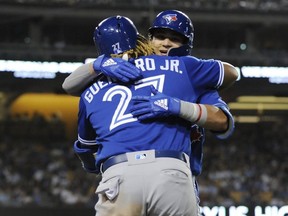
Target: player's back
column 108, row 103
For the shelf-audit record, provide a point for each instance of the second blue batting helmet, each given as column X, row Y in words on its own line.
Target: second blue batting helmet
column 115, row 35
column 176, row 21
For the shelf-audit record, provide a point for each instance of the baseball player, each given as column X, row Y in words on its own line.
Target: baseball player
column 167, row 26
column 144, row 163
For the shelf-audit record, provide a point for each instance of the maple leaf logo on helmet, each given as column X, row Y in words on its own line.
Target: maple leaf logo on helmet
column 170, row 18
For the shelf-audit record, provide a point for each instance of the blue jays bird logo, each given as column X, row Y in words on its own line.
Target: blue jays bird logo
column 196, row 134
column 170, row 18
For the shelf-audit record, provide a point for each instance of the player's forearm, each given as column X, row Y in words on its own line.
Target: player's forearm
column 216, row 119
column 207, row 116
column 79, row 79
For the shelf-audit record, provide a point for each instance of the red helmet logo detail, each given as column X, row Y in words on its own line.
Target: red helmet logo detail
column 170, row 18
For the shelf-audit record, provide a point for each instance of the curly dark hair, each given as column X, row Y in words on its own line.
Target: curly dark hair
column 143, row 48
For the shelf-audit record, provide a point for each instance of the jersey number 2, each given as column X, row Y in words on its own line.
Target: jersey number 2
column 120, row 115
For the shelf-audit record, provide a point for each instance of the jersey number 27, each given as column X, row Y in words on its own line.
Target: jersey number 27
column 121, row 116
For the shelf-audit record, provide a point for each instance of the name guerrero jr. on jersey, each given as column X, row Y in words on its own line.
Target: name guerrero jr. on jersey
column 147, row 64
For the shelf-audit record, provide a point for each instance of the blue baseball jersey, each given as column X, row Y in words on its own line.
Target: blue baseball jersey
column 104, row 116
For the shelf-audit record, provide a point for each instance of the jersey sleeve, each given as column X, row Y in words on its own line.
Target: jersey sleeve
column 86, row 133
column 206, row 73
column 212, row 97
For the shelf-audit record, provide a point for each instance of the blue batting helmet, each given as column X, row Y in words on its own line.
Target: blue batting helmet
column 176, row 21
column 115, row 35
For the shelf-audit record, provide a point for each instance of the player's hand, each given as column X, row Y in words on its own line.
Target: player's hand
column 117, row 69
column 158, row 105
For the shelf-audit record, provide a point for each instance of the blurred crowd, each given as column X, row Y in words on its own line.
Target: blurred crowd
column 250, row 168
column 229, row 4
column 39, row 168
column 199, row 4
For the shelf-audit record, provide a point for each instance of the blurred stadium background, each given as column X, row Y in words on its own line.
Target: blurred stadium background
column 39, row 174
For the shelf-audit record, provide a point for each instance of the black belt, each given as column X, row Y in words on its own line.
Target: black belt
column 123, row 158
